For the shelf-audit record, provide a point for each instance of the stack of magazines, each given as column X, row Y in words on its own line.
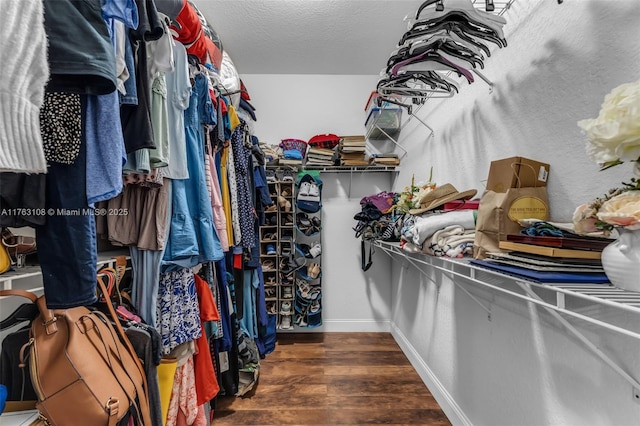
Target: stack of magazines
column 550, row 259
column 320, row 157
column 353, row 151
column 388, row 159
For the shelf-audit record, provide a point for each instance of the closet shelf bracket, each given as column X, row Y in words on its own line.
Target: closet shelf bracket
column 531, row 293
column 458, row 285
column 585, row 340
column 432, row 134
column 484, row 78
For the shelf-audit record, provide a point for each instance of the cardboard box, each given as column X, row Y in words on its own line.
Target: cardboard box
column 516, row 172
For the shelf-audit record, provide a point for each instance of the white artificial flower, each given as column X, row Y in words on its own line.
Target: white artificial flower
column 615, row 134
column 622, row 210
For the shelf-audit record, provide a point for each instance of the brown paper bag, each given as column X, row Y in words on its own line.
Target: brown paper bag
column 499, row 212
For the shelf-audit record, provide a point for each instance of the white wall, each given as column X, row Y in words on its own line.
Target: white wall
column 522, row 367
column 301, row 106
column 560, row 62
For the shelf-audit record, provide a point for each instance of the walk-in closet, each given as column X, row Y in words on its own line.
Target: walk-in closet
column 320, row 212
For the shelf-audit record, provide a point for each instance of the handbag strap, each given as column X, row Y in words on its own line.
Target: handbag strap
column 366, row 266
column 143, row 394
column 22, row 293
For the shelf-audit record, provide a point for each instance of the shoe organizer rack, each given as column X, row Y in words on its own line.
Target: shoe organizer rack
column 290, row 251
column 308, row 252
column 277, row 246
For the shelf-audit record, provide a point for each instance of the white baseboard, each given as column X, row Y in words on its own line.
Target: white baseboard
column 442, row 396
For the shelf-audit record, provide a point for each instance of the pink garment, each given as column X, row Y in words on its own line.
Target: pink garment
column 201, row 418
column 183, row 401
column 219, row 217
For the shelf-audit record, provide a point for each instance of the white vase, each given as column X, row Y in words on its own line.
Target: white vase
column 621, row 260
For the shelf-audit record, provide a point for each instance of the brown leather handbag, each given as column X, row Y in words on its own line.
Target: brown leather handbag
column 83, row 367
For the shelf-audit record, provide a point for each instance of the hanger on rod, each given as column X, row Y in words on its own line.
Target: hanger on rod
column 449, row 31
column 439, row 6
column 489, row 6
column 475, row 24
column 417, row 85
column 428, row 61
column 466, row 8
column 461, row 27
column 449, row 50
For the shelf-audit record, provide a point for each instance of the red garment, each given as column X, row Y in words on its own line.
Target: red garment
column 237, row 261
column 223, row 106
column 188, row 30
column 207, row 386
column 244, row 94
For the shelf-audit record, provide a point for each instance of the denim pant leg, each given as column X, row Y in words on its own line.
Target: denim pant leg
column 67, row 241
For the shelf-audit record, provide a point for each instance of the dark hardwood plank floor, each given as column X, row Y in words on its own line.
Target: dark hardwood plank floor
column 334, row 379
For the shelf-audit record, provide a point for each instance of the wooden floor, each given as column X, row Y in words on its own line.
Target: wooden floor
column 334, row 379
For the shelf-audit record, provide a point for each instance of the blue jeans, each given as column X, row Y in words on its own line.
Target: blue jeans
column 67, row 241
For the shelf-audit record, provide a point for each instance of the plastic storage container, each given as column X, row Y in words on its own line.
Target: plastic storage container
column 383, row 120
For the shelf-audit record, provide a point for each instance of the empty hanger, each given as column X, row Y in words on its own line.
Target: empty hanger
column 465, row 7
column 451, row 31
column 444, row 36
column 417, row 84
column 430, row 60
column 464, row 21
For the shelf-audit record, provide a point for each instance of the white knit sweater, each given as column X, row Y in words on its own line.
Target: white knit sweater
column 24, row 73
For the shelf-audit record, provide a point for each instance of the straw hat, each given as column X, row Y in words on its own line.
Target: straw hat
column 441, row 195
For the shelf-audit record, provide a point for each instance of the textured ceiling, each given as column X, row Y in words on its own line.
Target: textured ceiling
column 308, row 36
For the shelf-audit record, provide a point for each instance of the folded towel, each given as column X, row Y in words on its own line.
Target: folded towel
column 425, row 226
column 452, row 241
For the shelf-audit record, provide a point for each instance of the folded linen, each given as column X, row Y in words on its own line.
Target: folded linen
column 452, row 241
column 425, row 226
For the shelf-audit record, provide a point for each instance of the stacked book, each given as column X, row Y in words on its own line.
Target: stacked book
column 389, row 159
column 289, row 162
column 546, row 259
column 353, row 151
column 320, row 157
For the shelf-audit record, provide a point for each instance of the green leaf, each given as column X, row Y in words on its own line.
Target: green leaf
column 610, row 164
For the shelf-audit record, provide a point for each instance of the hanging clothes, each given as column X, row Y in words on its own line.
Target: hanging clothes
column 183, row 396
column 136, row 118
column 67, row 241
column 205, row 377
column 22, row 93
column 246, row 212
column 219, row 217
column 76, row 31
column 192, row 237
column 220, row 161
column 105, row 141
column 178, row 313
column 178, row 93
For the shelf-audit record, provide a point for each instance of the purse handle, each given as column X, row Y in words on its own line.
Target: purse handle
column 143, row 394
column 22, row 293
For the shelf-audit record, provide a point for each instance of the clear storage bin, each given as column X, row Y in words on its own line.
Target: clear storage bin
column 383, row 120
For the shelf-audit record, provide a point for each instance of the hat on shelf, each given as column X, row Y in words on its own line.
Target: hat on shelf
column 441, row 195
